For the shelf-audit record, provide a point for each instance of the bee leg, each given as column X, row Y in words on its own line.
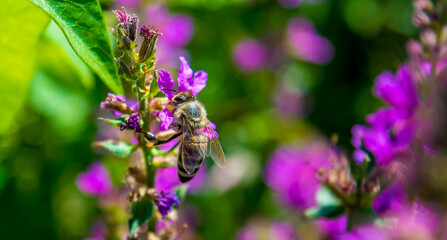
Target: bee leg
column 176, row 126
column 157, row 141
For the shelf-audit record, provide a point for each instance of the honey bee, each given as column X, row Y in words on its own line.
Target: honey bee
column 198, row 139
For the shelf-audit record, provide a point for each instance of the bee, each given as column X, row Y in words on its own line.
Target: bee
column 198, row 138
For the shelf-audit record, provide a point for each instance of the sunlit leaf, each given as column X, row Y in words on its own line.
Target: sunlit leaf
column 22, row 25
column 329, row 206
column 114, row 122
column 141, row 212
column 83, row 25
column 118, row 148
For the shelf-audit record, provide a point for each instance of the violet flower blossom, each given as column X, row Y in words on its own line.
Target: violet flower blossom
column 95, row 180
column 306, row 44
column 177, row 29
column 291, row 173
column 332, row 227
column 165, row 200
column 392, row 128
column 250, row 55
column 186, row 82
column 166, row 179
column 132, row 122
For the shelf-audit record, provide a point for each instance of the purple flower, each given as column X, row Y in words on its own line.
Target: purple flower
column 391, row 129
column 399, row 91
column 95, row 180
column 291, row 173
column 132, row 122
column 332, row 227
column 122, row 15
column 165, row 200
column 306, row 44
column 363, row 232
column 289, row 101
column 391, row 199
column 282, row 230
column 166, row 179
column 186, row 82
column 249, row 55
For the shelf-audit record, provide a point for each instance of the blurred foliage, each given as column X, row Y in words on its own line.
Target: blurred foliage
column 51, row 140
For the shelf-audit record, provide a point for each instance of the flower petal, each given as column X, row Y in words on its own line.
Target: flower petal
column 165, row 81
column 166, row 118
column 390, row 90
column 199, row 80
column 184, row 76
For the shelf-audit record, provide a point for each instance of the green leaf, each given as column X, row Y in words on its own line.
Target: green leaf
column 327, row 212
column 117, row 148
column 83, row 25
column 141, row 212
column 114, row 122
column 328, row 205
column 154, row 85
column 181, row 191
column 21, row 28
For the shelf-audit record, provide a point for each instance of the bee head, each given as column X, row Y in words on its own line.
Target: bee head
column 182, row 97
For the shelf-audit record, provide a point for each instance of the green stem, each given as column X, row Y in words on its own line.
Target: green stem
column 147, row 155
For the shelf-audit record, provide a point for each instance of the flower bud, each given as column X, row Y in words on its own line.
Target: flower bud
column 420, row 18
column 158, row 104
column 123, row 41
column 414, row 48
column 123, row 69
column 133, row 28
column 148, row 48
column 428, row 37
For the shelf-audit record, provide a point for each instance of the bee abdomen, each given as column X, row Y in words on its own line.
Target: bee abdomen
column 183, row 175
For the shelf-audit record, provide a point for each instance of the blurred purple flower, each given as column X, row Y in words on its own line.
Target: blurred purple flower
column 332, row 227
column 128, row 3
column 391, row 129
column 391, row 199
column 276, row 231
column 95, row 180
column 186, row 82
column 177, row 29
column 165, row 200
column 282, row 231
column 289, row 101
column 363, row 232
column 306, row 44
column 399, row 91
column 98, row 231
column 166, row 179
column 290, row 3
column 292, row 173
column 249, row 55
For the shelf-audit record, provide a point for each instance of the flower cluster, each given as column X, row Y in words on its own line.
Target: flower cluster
column 165, row 201
column 391, row 128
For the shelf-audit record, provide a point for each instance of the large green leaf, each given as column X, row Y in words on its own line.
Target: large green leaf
column 83, row 25
column 22, row 25
column 141, row 212
column 117, row 148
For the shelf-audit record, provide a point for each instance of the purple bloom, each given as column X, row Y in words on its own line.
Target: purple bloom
column 282, row 230
column 306, row 44
column 289, row 101
column 391, row 199
column 122, row 15
column 399, row 91
column 186, row 82
column 291, row 173
column 249, row 55
column 95, row 180
column 165, row 200
column 332, row 227
column 132, row 122
column 166, row 179
column 113, row 99
column 392, row 128
column 363, row 232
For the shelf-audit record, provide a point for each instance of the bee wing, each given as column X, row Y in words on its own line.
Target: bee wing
column 193, row 149
column 214, row 150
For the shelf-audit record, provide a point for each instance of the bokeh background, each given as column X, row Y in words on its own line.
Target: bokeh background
column 281, row 73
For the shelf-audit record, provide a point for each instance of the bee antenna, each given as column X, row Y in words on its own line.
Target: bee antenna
column 176, row 91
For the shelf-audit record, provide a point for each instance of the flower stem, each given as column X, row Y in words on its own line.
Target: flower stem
column 147, row 155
